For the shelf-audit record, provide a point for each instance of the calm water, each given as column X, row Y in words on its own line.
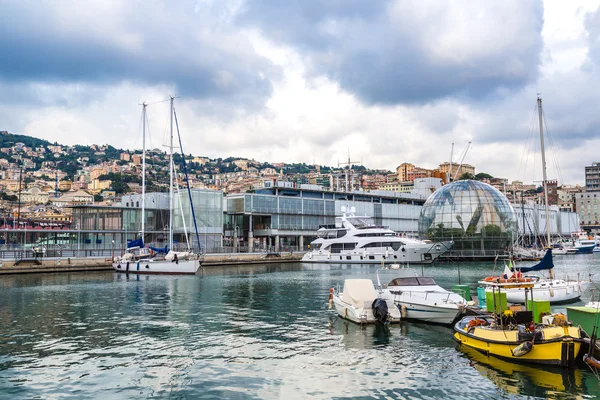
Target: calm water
column 245, row 332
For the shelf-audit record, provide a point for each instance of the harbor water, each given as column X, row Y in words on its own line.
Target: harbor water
column 241, row 332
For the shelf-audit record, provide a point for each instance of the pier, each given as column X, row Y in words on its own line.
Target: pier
column 30, row 264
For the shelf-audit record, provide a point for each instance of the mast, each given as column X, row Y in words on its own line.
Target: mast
column 545, row 179
column 143, row 168
column 171, row 181
column 450, row 169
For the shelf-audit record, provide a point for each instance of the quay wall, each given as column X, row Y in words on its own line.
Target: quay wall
column 84, row 264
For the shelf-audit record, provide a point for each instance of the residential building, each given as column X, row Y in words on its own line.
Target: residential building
column 592, row 177
column 457, row 169
column 587, row 205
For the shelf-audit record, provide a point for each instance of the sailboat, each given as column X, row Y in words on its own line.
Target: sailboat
column 544, row 288
column 141, row 260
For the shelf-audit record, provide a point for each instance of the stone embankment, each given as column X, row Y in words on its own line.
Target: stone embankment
column 40, row 265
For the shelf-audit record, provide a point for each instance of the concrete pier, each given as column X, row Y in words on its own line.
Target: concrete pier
column 45, row 265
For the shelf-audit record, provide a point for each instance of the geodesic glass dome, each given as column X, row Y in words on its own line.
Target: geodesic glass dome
column 474, row 214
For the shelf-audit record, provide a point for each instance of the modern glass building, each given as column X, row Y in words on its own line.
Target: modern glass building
column 208, row 210
column 290, row 217
column 473, row 214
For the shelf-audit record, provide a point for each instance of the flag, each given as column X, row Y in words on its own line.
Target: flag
column 507, row 272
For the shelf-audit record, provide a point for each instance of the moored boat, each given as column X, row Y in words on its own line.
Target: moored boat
column 544, row 288
column 420, row 298
column 514, row 336
column 359, row 302
column 356, row 239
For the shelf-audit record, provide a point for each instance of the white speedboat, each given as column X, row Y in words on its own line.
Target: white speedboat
column 420, row 298
column 544, row 288
column 358, row 240
column 359, row 302
column 585, row 245
column 596, row 249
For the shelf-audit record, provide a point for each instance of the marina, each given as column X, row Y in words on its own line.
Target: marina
column 258, row 331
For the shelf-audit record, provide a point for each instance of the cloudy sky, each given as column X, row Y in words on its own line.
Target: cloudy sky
column 389, row 81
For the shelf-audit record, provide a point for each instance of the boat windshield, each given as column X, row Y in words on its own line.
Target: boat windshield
column 412, row 281
column 361, row 222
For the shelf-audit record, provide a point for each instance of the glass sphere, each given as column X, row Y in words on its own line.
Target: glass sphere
column 475, row 215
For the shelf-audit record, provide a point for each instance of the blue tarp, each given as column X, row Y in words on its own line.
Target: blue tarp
column 546, row 263
column 135, row 243
column 160, row 249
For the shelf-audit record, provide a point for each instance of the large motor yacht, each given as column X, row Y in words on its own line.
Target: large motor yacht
column 356, row 239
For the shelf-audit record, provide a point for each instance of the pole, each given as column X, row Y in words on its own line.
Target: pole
column 545, row 181
column 450, row 168
column 19, row 205
column 171, row 181
column 143, row 168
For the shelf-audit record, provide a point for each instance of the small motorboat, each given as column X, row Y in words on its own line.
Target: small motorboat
column 359, row 302
column 514, row 335
column 420, row 298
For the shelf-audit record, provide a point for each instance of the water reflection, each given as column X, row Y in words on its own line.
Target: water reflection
column 259, row 331
column 542, row 381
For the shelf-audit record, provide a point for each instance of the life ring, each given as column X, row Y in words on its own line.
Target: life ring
column 489, row 278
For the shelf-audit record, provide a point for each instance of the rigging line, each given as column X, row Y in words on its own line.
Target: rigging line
column 526, row 149
column 187, row 181
column 158, row 102
column 553, row 149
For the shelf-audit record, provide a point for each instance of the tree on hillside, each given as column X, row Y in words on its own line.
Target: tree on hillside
column 482, row 175
column 466, row 175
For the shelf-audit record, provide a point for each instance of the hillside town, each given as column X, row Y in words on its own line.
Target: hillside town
column 41, row 181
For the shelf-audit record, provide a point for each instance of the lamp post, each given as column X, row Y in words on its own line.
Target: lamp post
column 78, row 238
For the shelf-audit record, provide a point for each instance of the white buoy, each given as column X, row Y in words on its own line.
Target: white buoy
column 395, row 266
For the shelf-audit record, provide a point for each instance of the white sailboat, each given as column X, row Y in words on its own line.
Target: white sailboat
column 138, row 259
column 544, row 287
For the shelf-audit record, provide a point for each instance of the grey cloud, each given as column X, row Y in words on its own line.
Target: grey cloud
column 149, row 43
column 376, row 49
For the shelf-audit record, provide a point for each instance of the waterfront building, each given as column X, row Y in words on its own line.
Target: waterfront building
column 587, row 204
column 483, row 223
column 592, row 177
column 288, row 216
column 457, row 169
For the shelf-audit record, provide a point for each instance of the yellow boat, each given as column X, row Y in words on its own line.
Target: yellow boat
column 521, row 340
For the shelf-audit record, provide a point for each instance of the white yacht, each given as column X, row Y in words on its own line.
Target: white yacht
column 356, row 239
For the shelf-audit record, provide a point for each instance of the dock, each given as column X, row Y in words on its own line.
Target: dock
column 84, row 264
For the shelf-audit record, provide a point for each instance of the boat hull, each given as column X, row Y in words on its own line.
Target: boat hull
column 445, row 315
column 419, row 255
column 363, row 315
column 561, row 349
column 555, row 294
column 182, row 267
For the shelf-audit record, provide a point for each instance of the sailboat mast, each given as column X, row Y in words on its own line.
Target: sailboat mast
column 143, row 168
column 171, row 181
column 545, row 181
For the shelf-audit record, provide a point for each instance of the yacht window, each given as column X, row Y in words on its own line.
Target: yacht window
column 337, row 247
column 315, row 246
column 371, row 257
column 396, row 245
column 341, row 233
column 349, row 246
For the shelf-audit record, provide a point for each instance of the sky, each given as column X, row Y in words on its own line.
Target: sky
column 313, row 81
